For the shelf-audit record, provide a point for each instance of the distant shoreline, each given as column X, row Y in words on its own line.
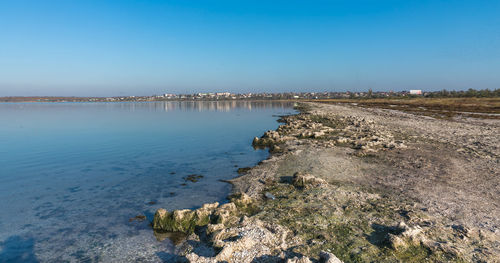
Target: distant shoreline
column 343, row 97
column 3, row 100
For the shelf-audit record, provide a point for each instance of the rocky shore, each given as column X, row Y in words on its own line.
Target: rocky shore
column 354, row 184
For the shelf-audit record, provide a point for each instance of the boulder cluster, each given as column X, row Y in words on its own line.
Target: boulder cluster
column 304, row 180
column 186, row 220
column 233, row 235
column 251, row 239
column 358, row 133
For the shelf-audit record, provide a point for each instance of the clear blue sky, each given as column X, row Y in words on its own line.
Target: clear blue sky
column 104, row 48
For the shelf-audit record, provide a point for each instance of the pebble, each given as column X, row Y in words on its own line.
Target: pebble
column 269, row 196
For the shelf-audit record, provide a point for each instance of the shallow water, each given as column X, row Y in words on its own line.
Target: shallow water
column 73, row 174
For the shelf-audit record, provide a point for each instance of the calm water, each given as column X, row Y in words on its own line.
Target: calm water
column 73, row 174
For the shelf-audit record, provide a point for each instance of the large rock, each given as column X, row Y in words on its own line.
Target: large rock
column 304, row 180
column 325, row 257
column 244, row 203
column 408, row 235
column 224, row 213
column 184, row 220
column 249, row 240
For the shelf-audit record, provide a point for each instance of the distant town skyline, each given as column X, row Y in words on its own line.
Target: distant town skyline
column 124, row 48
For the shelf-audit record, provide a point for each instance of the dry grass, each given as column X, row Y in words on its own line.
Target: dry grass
column 488, row 108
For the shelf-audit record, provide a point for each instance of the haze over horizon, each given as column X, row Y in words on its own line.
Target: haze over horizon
column 119, row 48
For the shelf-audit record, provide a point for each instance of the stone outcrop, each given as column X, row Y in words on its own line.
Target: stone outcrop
column 304, row 180
column 247, row 241
column 184, row 220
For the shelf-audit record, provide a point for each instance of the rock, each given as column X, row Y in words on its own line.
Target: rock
column 390, row 145
column 244, row 170
column 318, row 134
column 397, row 242
column 263, row 142
column 275, row 149
column 461, row 230
column 204, row 213
column 176, row 237
column 342, row 140
column 412, row 232
column 211, row 228
column 269, row 196
column 184, row 220
column 193, row 177
column 224, row 213
column 247, row 242
column 139, row 218
column 299, row 260
column 242, row 200
column 272, row 135
column 325, row 257
column 303, row 180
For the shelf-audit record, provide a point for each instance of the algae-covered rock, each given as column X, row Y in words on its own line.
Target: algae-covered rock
column 184, row 220
column 241, row 200
column 224, row 213
column 267, row 140
column 243, row 170
column 304, row 180
column 244, row 203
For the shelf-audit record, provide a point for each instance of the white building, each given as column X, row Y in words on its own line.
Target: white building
column 416, row 92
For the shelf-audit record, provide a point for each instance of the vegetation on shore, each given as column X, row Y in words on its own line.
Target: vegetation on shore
column 487, row 108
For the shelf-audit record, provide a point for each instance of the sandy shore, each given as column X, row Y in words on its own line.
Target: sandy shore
column 359, row 185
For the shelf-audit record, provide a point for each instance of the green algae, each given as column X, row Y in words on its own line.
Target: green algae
column 354, row 228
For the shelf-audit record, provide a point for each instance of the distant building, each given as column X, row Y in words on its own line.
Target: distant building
column 416, row 92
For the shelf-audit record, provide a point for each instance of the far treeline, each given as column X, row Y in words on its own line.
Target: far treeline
column 470, row 93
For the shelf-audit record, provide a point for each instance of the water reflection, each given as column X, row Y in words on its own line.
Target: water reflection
column 223, row 106
column 218, row 106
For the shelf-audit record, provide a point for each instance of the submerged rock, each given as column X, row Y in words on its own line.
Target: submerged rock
column 139, row 218
column 175, row 237
column 193, row 177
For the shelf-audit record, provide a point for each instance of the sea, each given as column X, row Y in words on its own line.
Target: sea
column 76, row 178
